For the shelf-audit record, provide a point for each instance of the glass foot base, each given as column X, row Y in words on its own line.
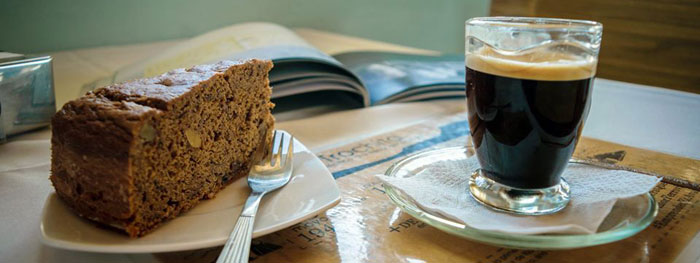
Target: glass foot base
column 515, row 200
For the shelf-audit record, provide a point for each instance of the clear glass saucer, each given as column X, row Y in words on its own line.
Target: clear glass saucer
column 628, row 216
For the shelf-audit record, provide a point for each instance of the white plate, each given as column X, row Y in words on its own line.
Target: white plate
column 311, row 190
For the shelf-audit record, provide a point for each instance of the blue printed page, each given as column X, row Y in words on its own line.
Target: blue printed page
column 395, row 77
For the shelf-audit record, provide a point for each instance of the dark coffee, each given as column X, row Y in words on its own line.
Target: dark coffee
column 525, row 130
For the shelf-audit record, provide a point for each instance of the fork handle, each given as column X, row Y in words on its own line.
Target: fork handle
column 237, row 248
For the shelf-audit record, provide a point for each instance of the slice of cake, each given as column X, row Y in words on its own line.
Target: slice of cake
column 136, row 154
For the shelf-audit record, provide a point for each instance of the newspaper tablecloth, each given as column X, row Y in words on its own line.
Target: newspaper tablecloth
column 367, row 227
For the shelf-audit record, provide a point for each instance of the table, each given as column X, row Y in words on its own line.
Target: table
column 641, row 116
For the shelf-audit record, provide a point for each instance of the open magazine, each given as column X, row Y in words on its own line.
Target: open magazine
column 303, row 73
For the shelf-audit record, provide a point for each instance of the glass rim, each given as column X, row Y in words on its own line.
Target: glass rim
column 535, row 23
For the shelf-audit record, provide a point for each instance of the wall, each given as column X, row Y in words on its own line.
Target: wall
column 39, row 26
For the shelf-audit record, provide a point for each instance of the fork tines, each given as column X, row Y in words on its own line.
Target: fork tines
column 278, row 143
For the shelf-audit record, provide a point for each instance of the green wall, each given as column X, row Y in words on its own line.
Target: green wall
column 39, row 26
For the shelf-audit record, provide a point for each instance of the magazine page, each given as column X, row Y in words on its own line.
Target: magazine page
column 428, row 93
column 397, row 77
column 334, row 43
column 294, row 59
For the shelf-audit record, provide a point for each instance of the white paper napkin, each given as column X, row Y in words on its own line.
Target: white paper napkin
column 442, row 188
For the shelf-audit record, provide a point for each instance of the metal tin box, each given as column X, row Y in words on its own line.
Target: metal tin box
column 26, row 93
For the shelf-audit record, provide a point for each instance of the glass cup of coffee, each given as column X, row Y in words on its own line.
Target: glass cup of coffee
column 529, row 84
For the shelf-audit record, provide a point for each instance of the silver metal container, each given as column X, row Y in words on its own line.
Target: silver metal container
column 26, row 93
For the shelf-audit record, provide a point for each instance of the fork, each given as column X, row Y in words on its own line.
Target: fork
column 270, row 174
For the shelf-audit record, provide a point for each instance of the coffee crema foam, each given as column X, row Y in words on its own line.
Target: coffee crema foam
column 548, row 66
